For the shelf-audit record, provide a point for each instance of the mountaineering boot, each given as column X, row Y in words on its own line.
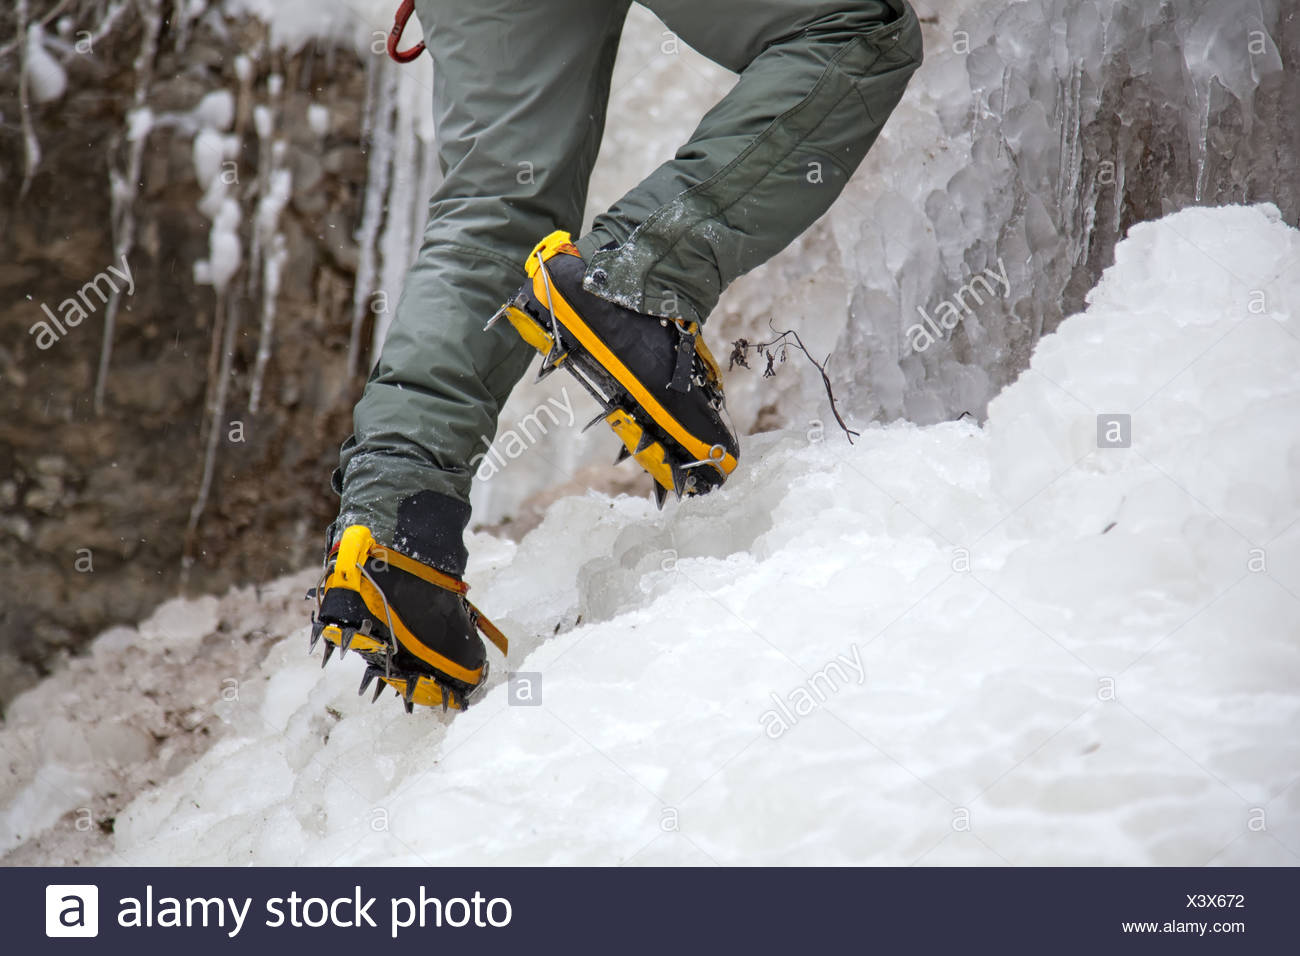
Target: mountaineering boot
column 658, row 386
column 410, row 622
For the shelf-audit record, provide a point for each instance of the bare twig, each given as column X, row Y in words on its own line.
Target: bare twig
column 775, row 351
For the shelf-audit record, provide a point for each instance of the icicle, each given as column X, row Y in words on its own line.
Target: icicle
column 273, row 186
column 273, row 243
column 213, row 438
column 123, row 187
column 225, row 258
column 377, row 178
column 1203, row 144
column 395, row 242
column 1121, row 167
column 374, row 77
column 31, row 145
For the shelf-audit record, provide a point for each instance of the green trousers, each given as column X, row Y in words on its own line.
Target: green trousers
column 520, row 91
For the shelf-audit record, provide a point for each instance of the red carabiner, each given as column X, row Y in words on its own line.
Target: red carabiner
column 395, row 35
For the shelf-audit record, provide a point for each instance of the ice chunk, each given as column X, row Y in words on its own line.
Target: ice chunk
column 46, row 78
column 181, row 621
column 215, row 111
column 318, row 118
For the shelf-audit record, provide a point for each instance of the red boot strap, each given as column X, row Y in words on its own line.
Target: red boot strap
column 403, row 14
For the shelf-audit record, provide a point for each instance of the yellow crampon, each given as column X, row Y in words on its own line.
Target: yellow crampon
column 355, row 548
column 638, row 440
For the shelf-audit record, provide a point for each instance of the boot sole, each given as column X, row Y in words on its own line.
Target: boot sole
column 427, row 690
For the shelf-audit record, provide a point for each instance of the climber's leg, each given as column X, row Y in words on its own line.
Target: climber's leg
column 817, row 82
column 519, row 97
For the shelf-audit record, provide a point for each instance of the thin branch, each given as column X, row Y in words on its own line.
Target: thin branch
column 775, row 351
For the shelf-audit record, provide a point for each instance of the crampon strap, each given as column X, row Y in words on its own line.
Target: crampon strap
column 403, row 14
column 356, row 545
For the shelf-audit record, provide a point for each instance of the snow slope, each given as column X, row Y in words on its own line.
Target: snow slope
column 947, row 644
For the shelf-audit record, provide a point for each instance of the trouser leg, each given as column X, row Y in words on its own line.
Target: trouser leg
column 817, row 82
column 520, row 91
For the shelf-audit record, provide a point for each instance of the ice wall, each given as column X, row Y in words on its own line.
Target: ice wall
column 1034, row 136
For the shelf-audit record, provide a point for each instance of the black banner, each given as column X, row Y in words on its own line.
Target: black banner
column 655, row 911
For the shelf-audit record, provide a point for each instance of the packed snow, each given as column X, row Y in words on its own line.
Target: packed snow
column 948, row 644
column 130, row 712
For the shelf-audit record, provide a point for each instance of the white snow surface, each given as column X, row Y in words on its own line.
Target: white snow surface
column 949, row 644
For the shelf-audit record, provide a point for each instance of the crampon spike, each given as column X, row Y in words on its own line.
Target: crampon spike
column 623, row 455
column 346, row 641
column 366, row 679
column 643, row 443
column 329, row 651
column 549, row 364
column 661, row 495
column 379, row 689
column 680, row 480
column 410, row 707
column 600, row 417
column 317, row 626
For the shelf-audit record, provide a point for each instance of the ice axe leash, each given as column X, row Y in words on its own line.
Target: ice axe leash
column 403, row 14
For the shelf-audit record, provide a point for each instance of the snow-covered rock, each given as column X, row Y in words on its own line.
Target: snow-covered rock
column 944, row 644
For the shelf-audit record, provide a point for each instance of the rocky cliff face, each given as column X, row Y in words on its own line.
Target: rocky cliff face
column 163, row 471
